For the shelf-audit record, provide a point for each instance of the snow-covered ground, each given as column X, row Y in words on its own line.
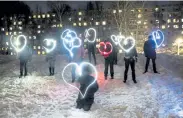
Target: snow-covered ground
column 42, row 96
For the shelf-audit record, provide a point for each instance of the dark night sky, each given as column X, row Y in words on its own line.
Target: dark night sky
column 82, row 4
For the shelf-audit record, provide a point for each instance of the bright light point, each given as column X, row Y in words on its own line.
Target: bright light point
column 87, row 34
column 79, row 69
column 48, row 43
column 68, row 40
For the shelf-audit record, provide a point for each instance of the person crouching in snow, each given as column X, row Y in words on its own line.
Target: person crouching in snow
column 51, row 58
column 130, row 58
column 78, row 57
column 85, row 80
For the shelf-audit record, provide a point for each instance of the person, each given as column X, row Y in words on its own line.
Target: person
column 78, row 57
column 24, row 56
column 150, row 53
column 109, row 61
column 91, row 51
column 130, row 58
column 51, row 58
column 85, row 80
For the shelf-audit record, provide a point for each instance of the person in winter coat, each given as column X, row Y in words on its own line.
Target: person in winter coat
column 109, row 61
column 24, row 56
column 77, row 58
column 51, row 58
column 85, row 80
column 150, row 53
column 130, row 58
column 91, row 51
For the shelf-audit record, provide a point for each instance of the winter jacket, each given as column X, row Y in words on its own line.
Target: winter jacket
column 112, row 56
column 132, row 54
column 78, row 54
column 85, row 81
column 91, row 46
column 25, row 54
column 51, row 58
column 149, row 49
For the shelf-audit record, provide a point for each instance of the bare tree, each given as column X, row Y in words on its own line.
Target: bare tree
column 60, row 8
column 125, row 15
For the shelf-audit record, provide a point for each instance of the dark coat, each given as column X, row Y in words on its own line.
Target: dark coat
column 132, row 54
column 91, row 46
column 25, row 54
column 112, row 58
column 85, row 81
column 149, row 49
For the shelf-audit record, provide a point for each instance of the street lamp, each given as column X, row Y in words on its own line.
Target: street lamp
column 178, row 42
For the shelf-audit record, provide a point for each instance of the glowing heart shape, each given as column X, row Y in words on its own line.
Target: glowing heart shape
column 125, row 41
column 87, row 34
column 69, row 38
column 15, row 44
column 48, row 43
column 105, row 52
column 79, row 68
column 158, row 37
column 117, row 39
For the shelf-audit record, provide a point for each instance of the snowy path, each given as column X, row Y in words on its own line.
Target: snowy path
column 41, row 96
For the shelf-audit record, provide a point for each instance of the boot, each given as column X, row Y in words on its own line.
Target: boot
column 134, row 81
column 53, row 71
column 105, row 77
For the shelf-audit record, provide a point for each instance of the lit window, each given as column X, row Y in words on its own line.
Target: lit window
column 177, row 20
column 11, row 53
column 120, row 11
column 2, row 29
column 29, row 17
column 169, row 20
column 85, row 24
column 79, row 19
column 74, row 24
column 20, row 32
column 29, row 37
column 38, row 31
column 20, row 28
column 139, row 22
column 34, row 16
column 139, row 15
column 34, row 37
column 170, row 15
column 97, row 23
column 182, row 32
column 168, row 26
column 38, row 52
column 163, row 26
column 10, row 33
column 91, row 18
column 104, row 23
column 48, row 15
column 10, row 18
column 182, row 19
column 15, row 33
column 156, row 9
column 139, row 10
column 114, row 11
column 7, row 43
column 39, row 47
column 60, row 25
column 38, row 26
column 10, row 28
column 14, row 23
column 39, row 16
column 145, row 27
column 157, row 21
column 175, row 26
column 34, row 47
column 53, row 15
column 145, row 23
column 20, row 22
column 43, row 52
column 174, row 20
column 79, row 24
column 43, row 16
column 80, row 13
column 182, row 26
column 6, row 33
column 132, row 10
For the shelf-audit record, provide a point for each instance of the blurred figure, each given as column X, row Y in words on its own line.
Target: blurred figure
column 85, row 80
column 78, row 57
column 24, row 56
column 109, row 61
column 130, row 58
column 150, row 53
column 51, row 58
